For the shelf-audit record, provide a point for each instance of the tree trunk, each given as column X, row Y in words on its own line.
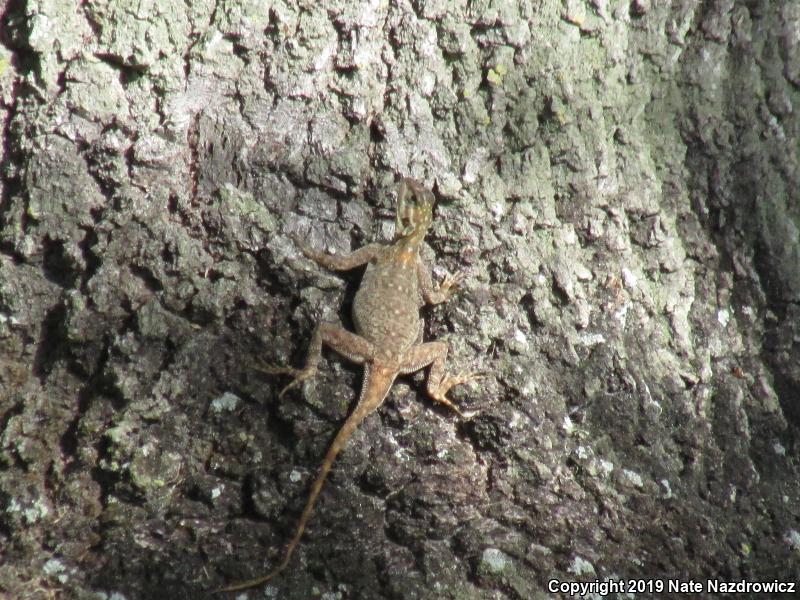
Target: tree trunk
column 618, row 180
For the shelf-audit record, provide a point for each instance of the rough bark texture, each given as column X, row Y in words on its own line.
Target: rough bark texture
column 619, row 178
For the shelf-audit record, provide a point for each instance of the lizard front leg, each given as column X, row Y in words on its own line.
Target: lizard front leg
column 436, row 295
column 353, row 347
column 343, row 262
column 439, row 381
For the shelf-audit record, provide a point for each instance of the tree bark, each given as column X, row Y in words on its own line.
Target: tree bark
column 619, row 180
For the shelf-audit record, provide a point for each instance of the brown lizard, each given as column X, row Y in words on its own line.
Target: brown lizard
column 388, row 338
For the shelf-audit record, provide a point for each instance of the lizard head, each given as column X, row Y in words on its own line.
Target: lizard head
column 414, row 209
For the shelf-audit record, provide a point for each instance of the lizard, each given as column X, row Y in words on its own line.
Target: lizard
column 388, row 337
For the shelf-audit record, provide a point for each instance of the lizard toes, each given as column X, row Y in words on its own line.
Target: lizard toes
column 286, row 388
column 270, row 369
column 442, row 398
column 455, row 280
column 300, row 375
column 465, row 376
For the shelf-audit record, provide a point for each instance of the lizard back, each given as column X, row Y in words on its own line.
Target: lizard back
column 386, row 306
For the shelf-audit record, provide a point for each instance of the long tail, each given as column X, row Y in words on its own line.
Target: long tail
column 376, row 385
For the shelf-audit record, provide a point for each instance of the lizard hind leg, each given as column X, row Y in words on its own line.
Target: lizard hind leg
column 439, row 381
column 348, row 344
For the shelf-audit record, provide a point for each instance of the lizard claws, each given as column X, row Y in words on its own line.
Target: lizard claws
column 450, row 381
column 299, row 375
column 468, row 376
column 443, row 399
column 463, row 376
column 451, row 283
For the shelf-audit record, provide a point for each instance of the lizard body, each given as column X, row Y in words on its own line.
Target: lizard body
column 388, row 338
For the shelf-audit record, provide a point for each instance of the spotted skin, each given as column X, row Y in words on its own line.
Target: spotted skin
column 388, row 338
